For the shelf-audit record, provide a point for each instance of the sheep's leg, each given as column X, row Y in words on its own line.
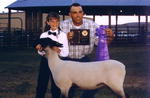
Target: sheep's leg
column 120, row 93
column 65, row 87
column 64, row 93
column 126, row 96
column 62, row 96
column 115, row 82
column 118, row 90
column 117, row 87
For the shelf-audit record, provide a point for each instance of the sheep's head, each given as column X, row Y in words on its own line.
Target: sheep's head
column 48, row 44
column 44, row 42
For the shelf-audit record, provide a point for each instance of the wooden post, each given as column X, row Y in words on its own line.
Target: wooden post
column 93, row 17
column 139, row 24
column 63, row 17
column 116, row 28
column 9, row 20
column 9, row 28
column 39, row 22
column 146, row 17
column 28, row 20
column 34, row 22
column 109, row 20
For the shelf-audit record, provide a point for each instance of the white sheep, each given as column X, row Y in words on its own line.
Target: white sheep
column 86, row 75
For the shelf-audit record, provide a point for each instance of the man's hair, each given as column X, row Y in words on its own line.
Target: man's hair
column 74, row 4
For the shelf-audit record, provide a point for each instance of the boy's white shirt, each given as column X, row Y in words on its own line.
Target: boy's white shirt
column 61, row 38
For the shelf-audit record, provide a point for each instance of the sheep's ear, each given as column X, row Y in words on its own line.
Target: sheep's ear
column 45, row 42
column 54, row 43
column 36, row 42
column 59, row 45
column 41, row 41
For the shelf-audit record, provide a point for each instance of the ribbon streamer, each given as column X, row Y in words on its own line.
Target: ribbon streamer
column 102, row 48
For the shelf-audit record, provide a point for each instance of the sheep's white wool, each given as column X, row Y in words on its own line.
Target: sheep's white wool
column 90, row 75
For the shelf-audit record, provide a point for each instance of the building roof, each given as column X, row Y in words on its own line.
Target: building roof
column 39, row 3
column 91, row 5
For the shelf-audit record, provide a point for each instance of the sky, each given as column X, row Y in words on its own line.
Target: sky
column 101, row 20
column 4, row 3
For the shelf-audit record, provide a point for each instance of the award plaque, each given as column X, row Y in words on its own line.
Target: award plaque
column 80, row 37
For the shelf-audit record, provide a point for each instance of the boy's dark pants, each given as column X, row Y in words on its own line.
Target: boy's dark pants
column 43, row 79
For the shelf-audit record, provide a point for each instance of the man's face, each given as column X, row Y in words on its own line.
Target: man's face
column 76, row 13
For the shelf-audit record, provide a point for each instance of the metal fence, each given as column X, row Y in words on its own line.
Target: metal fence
column 16, row 38
column 130, row 35
column 20, row 38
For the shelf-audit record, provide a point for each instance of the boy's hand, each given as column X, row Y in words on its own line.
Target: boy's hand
column 38, row 47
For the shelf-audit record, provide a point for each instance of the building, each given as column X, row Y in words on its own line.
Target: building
column 34, row 12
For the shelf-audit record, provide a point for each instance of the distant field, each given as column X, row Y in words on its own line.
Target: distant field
column 19, row 70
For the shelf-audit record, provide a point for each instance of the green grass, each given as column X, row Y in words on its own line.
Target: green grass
column 19, row 70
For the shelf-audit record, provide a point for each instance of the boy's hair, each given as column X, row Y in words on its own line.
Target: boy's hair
column 49, row 17
column 52, row 15
column 74, row 4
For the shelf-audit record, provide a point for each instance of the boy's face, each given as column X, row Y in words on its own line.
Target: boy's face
column 54, row 23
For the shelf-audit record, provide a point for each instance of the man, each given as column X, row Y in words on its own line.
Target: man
column 80, row 52
column 76, row 52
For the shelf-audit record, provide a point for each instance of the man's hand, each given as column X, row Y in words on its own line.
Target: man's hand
column 70, row 35
column 110, row 35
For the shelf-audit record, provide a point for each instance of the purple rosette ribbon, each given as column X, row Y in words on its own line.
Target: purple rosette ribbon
column 102, row 48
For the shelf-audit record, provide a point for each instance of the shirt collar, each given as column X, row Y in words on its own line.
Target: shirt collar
column 56, row 31
column 78, row 27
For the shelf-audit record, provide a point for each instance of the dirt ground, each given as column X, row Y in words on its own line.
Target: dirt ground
column 19, row 71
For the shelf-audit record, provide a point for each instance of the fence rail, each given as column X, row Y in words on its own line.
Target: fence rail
column 16, row 38
column 20, row 38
